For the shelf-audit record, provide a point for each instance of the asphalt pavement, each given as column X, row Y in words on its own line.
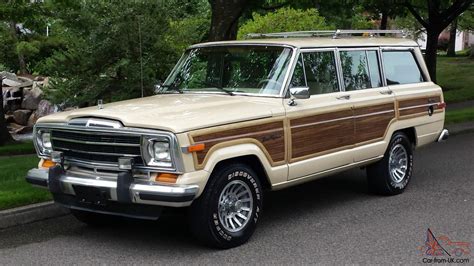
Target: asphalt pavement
column 329, row 221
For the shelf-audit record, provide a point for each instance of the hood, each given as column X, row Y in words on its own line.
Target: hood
column 179, row 112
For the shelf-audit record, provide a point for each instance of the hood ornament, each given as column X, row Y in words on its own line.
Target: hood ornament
column 100, row 104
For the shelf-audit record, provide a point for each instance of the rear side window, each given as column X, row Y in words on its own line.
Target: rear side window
column 401, row 68
column 360, row 69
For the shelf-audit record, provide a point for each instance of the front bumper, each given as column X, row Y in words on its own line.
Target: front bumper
column 125, row 189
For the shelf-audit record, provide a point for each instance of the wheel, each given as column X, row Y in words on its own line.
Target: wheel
column 390, row 176
column 227, row 212
column 91, row 218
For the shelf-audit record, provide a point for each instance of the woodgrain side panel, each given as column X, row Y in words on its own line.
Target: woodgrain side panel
column 417, row 106
column 270, row 135
column 322, row 132
column 372, row 122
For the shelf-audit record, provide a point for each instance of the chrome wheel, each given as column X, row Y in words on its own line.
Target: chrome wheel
column 235, row 206
column 398, row 163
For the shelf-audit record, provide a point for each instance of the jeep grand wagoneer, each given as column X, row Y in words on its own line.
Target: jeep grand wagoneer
column 237, row 118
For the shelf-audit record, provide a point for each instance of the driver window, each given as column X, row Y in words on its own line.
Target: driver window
column 316, row 70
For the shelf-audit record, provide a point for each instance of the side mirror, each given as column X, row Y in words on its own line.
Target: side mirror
column 299, row 92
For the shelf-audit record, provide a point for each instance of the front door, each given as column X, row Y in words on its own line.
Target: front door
column 322, row 127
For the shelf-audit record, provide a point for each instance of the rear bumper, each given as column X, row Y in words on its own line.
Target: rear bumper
column 123, row 190
column 444, row 135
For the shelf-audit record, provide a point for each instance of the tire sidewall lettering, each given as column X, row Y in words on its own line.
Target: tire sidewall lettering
column 256, row 193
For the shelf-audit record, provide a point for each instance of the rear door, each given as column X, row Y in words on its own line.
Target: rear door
column 322, row 126
column 374, row 102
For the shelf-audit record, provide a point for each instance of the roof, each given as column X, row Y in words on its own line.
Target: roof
column 317, row 42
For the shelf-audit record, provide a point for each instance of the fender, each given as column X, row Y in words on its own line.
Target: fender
column 275, row 174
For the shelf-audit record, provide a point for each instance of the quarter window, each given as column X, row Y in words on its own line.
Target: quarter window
column 360, row 69
column 401, row 68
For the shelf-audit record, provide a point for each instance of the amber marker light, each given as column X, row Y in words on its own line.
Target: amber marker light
column 47, row 163
column 196, row 147
column 167, row 178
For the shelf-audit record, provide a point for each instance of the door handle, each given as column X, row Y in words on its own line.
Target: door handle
column 344, row 97
column 387, row 92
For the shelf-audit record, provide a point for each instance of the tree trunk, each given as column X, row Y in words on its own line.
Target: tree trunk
column 4, row 134
column 431, row 52
column 452, row 39
column 383, row 22
column 471, row 54
column 225, row 19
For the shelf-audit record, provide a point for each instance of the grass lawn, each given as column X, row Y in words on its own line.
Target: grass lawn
column 461, row 115
column 19, row 147
column 456, row 77
column 14, row 191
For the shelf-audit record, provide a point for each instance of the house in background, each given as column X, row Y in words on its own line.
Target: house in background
column 464, row 39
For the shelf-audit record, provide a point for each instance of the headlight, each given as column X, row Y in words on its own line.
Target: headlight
column 161, row 151
column 43, row 142
column 157, row 151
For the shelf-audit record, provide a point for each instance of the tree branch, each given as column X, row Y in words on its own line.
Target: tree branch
column 454, row 11
column 416, row 14
column 274, row 6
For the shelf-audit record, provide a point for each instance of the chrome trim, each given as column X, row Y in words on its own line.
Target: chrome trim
column 97, row 143
column 443, row 136
column 95, row 122
column 98, row 153
column 176, row 155
column 68, row 180
column 418, row 106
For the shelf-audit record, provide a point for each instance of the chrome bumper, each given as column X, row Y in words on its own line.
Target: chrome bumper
column 443, row 136
column 139, row 192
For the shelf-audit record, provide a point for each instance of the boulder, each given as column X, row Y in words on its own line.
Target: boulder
column 44, row 108
column 8, row 75
column 31, row 98
column 32, row 119
column 18, row 129
column 21, row 116
column 9, row 118
column 11, row 83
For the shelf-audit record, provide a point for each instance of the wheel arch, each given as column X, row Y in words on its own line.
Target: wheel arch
column 248, row 154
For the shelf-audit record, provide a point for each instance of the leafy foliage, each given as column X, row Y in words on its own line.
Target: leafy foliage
column 284, row 19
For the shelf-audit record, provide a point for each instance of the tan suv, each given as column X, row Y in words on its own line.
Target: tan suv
column 237, row 118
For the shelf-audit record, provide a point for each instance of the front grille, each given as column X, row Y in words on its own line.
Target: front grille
column 97, row 147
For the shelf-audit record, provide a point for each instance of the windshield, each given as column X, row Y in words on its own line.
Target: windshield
column 231, row 69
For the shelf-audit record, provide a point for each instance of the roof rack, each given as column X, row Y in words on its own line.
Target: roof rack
column 322, row 33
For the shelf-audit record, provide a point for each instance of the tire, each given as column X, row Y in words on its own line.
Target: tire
column 381, row 176
column 215, row 216
column 92, row 218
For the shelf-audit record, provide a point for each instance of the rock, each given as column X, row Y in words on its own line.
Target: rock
column 21, row 116
column 44, row 108
column 9, row 118
column 8, row 75
column 25, row 82
column 32, row 120
column 11, row 83
column 31, row 98
column 18, row 129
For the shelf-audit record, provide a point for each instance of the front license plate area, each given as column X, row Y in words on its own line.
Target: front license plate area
column 90, row 195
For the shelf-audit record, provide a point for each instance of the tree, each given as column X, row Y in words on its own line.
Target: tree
column 439, row 15
column 284, row 19
column 383, row 10
column 225, row 18
column 452, row 39
column 5, row 136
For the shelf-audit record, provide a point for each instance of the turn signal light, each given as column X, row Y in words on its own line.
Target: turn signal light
column 167, row 178
column 196, row 147
column 47, row 163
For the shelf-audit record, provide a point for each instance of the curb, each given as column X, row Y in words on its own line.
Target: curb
column 31, row 213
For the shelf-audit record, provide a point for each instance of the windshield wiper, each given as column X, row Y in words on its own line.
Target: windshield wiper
column 219, row 87
column 173, row 88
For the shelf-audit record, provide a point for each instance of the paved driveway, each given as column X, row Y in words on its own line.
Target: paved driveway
column 327, row 221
